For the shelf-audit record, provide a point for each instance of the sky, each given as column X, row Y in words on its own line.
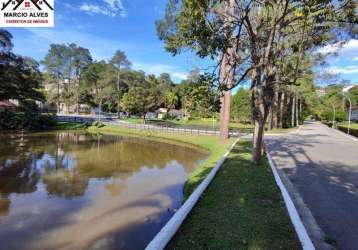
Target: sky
column 104, row 26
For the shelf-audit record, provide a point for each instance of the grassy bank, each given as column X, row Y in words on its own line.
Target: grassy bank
column 241, row 209
column 69, row 126
column 212, row 144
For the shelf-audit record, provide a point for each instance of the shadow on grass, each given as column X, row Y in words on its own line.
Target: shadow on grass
column 241, row 209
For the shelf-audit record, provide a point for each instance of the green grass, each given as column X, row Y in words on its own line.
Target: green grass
column 241, row 209
column 345, row 124
column 215, row 147
column 69, row 126
column 281, row 131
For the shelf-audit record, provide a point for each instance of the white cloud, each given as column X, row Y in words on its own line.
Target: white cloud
column 340, row 47
column 110, row 8
column 93, row 42
column 355, row 58
column 180, row 75
column 157, row 69
column 343, row 70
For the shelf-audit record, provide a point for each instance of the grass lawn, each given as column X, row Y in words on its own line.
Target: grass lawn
column 241, row 209
column 281, row 131
column 353, row 125
column 69, row 126
column 212, row 144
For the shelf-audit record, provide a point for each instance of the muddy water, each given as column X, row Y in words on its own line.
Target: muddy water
column 71, row 190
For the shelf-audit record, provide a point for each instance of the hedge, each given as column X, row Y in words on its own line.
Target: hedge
column 352, row 131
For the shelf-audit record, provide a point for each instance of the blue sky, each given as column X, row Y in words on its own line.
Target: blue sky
column 103, row 26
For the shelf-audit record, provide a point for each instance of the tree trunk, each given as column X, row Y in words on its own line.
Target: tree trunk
column 296, row 113
column 226, row 80
column 259, row 116
column 271, row 125
column 300, row 112
column 144, row 115
column 118, row 105
column 275, row 110
column 280, row 112
column 100, row 111
column 293, row 111
column 77, row 104
column 58, row 96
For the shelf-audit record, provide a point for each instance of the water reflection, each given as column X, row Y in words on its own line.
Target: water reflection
column 77, row 190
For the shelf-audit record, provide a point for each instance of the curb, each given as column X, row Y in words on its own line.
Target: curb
column 172, row 226
column 292, row 211
column 345, row 134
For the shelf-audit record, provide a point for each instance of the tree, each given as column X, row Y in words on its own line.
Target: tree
column 170, row 99
column 55, row 66
column 141, row 99
column 63, row 65
column 241, row 106
column 200, row 97
column 20, row 77
column 120, row 61
column 100, row 77
column 249, row 37
column 5, row 41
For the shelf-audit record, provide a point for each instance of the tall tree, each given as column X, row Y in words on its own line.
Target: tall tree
column 55, row 66
column 120, row 61
column 20, row 77
column 5, row 41
column 100, row 77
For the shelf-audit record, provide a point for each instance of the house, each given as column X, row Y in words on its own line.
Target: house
column 354, row 116
column 320, row 92
column 8, row 105
column 174, row 113
column 64, row 108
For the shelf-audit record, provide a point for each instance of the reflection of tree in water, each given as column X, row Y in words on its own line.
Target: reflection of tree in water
column 66, row 161
column 4, row 205
column 65, row 183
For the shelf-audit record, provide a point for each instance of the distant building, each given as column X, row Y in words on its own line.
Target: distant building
column 174, row 113
column 354, row 116
column 321, row 92
column 8, row 105
column 65, row 108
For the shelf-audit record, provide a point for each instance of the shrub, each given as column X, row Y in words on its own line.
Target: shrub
column 98, row 124
column 352, row 131
column 25, row 120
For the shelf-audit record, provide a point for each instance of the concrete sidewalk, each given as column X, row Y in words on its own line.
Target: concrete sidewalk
column 322, row 166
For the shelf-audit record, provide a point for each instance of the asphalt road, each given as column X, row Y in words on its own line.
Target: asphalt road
column 322, row 165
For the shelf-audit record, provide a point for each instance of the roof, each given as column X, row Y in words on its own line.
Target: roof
column 7, row 104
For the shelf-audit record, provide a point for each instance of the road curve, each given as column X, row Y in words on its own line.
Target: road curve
column 322, row 166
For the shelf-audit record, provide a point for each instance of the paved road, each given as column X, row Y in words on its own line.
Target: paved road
column 322, row 165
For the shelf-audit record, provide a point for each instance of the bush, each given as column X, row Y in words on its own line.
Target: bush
column 98, row 124
column 329, row 124
column 25, row 120
column 340, row 115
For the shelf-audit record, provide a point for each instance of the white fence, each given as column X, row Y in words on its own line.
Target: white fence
column 167, row 129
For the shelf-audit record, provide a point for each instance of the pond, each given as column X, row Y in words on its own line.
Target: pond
column 75, row 190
